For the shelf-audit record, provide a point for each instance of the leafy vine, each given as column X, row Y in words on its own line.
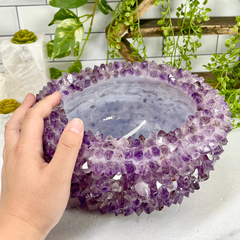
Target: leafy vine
column 70, row 31
column 124, row 14
column 226, row 70
column 189, row 18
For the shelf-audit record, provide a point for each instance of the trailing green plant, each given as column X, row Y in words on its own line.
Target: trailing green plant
column 226, row 70
column 179, row 46
column 70, row 32
column 124, row 14
column 189, row 18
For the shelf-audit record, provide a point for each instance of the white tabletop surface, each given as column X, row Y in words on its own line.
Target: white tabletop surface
column 211, row 213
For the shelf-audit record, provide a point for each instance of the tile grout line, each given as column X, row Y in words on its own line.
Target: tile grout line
column 103, row 59
column 216, row 50
column 19, row 27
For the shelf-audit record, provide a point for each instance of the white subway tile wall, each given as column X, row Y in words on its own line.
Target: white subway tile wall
column 36, row 14
column 9, row 20
column 37, row 18
column 197, row 64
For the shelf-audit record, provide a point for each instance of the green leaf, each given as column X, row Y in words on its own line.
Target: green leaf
column 75, row 67
column 104, row 7
column 61, row 15
column 208, row 9
column 235, row 29
column 55, row 73
column 206, row 18
column 68, row 3
column 161, row 21
column 68, row 35
column 50, row 45
column 228, row 41
column 165, row 33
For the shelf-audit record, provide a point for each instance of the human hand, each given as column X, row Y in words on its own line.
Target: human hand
column 34, row 193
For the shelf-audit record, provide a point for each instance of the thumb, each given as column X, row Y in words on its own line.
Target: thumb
column 68, row 147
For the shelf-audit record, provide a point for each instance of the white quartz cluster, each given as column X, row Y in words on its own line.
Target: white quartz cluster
column 26, row 67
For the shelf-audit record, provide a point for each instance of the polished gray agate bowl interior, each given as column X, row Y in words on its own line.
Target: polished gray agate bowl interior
column 152, row 133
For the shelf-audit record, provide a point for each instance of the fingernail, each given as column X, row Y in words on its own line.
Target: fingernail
column 76, row 125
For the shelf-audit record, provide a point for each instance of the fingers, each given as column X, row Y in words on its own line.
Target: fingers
column 13, row 126
column 64, row 159
column 33, row 124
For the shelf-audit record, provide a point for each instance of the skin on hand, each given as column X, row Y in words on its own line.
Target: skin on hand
column 34, row 193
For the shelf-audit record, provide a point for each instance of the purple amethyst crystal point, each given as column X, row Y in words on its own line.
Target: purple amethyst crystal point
column 117, row 65
column 155, row 151
column 152, row 134
column 163, row 76
column 138, row 155
column 123, row 72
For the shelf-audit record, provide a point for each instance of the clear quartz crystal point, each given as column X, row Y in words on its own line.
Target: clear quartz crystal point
column 26, row 67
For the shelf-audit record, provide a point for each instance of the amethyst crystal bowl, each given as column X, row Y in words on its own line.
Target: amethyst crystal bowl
column 152, row 134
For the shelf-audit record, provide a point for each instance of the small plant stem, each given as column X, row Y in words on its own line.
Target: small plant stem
column 87, row 38
column 110, row 26
column 89, row 30
column 234, row 92
column 93, row 14
column 189, row 28
column 180, row 32
column 171, row 27
column 139, row 30
column 87, row 18
column 86, row 15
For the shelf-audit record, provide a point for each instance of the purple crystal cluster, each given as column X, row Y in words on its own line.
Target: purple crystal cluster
column 146, row 173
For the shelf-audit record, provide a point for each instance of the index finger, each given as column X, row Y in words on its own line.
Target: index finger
column 13, row 126
column 33, row 124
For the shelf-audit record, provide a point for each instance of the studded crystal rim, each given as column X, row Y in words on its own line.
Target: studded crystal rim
column 144, row 174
